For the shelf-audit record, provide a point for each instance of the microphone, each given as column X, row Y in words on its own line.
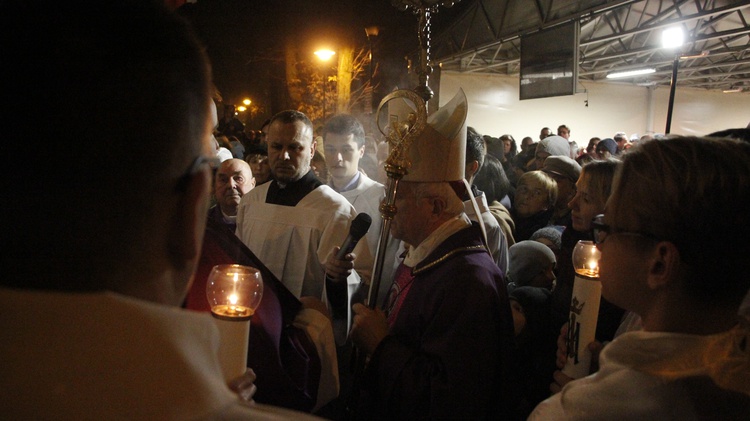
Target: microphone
column 360, row 226
column 337, row 291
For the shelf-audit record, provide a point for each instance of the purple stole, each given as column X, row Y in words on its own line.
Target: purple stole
column 399, row 289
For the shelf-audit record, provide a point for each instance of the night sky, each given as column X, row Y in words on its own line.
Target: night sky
column 245, row 39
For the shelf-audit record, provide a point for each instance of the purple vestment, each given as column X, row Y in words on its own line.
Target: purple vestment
column 447, row 353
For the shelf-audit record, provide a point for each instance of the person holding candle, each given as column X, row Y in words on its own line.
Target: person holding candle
column 674, row 249
column 592, row 190
column 291, row 338
column 100, row 245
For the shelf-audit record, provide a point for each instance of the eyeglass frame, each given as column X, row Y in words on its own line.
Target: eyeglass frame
column 598, row 228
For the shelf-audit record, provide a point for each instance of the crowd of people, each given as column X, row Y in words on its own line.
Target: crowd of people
column 454, row 304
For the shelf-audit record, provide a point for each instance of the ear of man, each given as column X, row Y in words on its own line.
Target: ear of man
column 664, row 265
column 471, row 170
column 438, row 206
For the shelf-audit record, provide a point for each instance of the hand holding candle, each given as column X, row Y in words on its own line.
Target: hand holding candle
column 584, row 309
column 234, row 292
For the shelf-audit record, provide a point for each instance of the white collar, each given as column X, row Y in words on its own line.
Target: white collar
column 415, row 255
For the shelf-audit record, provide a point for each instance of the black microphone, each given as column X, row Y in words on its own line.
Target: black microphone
column 360, row 226
column 337, row 291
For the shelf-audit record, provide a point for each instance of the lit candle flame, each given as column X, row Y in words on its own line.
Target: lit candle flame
column 233, row 298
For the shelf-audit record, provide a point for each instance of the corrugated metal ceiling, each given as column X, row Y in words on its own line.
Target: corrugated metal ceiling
column 615, row 35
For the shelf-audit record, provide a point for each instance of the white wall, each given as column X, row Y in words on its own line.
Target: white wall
column 494, row 109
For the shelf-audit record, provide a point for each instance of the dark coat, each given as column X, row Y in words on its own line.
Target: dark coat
column 447, row 354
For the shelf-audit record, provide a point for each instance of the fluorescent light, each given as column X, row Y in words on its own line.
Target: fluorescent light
column 672, row 37
column 630, row 73
column 732, row 90
column 702, row 54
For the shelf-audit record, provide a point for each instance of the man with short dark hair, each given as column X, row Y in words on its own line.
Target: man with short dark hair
column 496, row 241
column 344, row 139
column 97, row 259
column 295, row 223
column 544, row 133
column 622, row 142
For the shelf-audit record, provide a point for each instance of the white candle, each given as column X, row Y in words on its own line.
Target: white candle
column 584, row 309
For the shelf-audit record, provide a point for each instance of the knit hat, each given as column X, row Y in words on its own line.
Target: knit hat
column 553, row 233
column 609, row 144
column 554, row 145
column 562, row 166
column 527, row 259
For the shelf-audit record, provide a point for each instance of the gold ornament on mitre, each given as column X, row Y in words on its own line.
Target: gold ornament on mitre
column 431, row 149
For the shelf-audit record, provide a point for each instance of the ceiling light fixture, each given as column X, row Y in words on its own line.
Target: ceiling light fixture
column 672, row 37
column 630, row 73
column 732, row 90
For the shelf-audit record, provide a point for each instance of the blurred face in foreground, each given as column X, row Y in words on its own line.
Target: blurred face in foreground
column 624, row 264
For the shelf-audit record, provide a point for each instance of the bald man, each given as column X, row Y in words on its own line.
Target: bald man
column 233, row 179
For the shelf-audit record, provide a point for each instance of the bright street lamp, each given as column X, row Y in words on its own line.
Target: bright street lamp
column 672, row 38
column 324, row 55
column 247, row 101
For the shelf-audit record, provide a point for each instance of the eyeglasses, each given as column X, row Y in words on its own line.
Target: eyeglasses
column 523, row 189
column 600, row 231
column 212, row 161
